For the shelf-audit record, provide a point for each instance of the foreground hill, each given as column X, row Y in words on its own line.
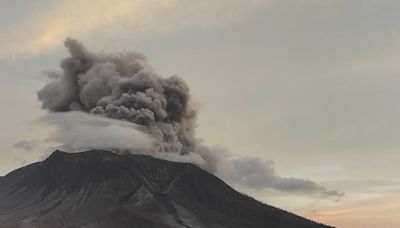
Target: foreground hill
column 103, row 189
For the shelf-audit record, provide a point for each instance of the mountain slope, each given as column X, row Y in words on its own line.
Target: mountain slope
column 104, row 189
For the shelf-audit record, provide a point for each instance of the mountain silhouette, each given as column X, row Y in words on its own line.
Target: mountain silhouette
column 101, row 189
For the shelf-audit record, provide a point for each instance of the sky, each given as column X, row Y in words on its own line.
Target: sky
column 311, row 85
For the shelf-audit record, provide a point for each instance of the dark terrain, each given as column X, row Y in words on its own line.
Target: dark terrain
column 103, row 189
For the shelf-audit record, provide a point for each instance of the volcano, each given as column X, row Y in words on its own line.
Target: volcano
column 104, row 189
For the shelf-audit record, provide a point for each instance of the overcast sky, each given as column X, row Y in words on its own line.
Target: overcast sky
column 312, row 85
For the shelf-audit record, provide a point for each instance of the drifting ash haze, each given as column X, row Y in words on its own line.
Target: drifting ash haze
column 130, row 108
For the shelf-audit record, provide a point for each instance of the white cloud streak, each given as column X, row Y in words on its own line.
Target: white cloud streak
column 77, row 131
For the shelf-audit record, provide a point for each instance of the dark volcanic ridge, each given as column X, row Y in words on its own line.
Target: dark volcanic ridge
column 104, row 189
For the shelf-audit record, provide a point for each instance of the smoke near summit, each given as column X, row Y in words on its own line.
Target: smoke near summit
column 124, row 87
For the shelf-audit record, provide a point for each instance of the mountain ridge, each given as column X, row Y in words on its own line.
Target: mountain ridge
column 103, row 189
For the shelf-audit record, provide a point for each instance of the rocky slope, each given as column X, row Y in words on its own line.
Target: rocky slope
column 104, row 189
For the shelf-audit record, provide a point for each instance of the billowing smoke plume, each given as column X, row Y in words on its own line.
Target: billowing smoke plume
column 124, row 86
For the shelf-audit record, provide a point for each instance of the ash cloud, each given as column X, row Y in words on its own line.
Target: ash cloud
column 123, row 87
column 257, row 174
column 25, row 145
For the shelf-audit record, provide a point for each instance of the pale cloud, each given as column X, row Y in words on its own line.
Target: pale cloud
column 127, row 18
column 26, row 145
column 75, row 18
column 77, row 131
